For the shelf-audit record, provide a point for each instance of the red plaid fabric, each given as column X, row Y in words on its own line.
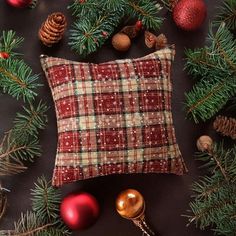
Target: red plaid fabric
column 113, row 117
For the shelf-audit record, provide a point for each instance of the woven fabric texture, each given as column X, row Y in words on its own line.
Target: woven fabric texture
column 113, row 117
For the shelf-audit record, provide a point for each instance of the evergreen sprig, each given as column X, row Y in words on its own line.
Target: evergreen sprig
column 16, row 77
column 227, row 14
column 214, row 202
column 10, row 42
column 216, row 67
column 146, row 11
column 45, row 200
column 97, row 20
column 44, row 219
column 21, row 142
column 85, row 8
column 87, row 35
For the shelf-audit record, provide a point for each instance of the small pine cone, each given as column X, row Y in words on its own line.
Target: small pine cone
column 52, row 29
column 130, row 31
column 150, row 39
column 161, row 41
column 226, row 126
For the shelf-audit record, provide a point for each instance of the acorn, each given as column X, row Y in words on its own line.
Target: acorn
column 204, row 143
column 121, row 42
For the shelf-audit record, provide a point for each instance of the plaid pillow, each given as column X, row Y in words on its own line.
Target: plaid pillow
column 113, row 117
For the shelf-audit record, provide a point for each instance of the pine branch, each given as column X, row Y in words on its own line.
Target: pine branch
column 11, row 167
column 146, row 11
column 216, row 66
column 84, row 8
column 28, row 124
column 227, row 14
column 207, row 186
column 44, row 220
column 223, row 45
column 9, row 42
column 28, row 224
column 17, row 79
column 87, row 34
column 114, row 5
column 45, row 200
column 21, row 142
column 208, row 97
column 214, row 201
column 169, row 4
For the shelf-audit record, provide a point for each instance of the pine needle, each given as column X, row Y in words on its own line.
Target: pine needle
column 21, row 142
column 10, row 42
column 214, row 198
column 44, row 219
column 227, row 14
column 215, row 67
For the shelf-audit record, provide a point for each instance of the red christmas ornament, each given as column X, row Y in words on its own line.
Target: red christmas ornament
column 4, row 55
column 79, row 211
column 189, row 14
column 138, row 25
column 20, row 3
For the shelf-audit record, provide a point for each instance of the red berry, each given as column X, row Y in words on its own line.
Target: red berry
column 104, row 34
column 4, row 55
column 138, row 25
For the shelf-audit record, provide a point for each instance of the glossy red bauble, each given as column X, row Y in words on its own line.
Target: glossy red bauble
column 189, row 14
column 79, row 211
column 19, row 3
column 4, row 55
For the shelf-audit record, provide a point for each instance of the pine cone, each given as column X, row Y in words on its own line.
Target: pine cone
column 130, row 31
column 226, row 126
column 161, row 41
column 52, row 29
column 151, row 40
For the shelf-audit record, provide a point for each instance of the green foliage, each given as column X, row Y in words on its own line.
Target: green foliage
column 21, row 142
column 86, row 8
column 97, row 20
column 16, row 77
column 227, row 14
column 9, row 42
column 87, row 34
column 44, row 219
column 214, row 202
column 45, row 200
column 145, row 11
column 216, row 67
column 28, row 124
column 167, row 4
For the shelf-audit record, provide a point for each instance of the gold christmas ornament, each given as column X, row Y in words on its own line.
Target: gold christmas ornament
column 52, row 29
column 121, row 42
column 204, row 143
column 130, row 204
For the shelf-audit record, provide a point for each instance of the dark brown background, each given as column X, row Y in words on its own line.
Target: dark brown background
column 166, row 196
